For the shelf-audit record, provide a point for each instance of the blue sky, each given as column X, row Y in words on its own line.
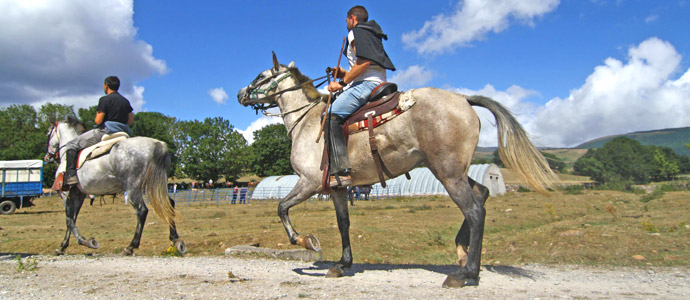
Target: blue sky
column 570, row 70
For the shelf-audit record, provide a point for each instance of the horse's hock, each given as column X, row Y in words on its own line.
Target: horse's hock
column 292, row 254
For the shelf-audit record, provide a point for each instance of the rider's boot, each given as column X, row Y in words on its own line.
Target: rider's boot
column 337, row 150
column 70, row 177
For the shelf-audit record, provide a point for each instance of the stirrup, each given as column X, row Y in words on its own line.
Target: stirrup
column 340, row 181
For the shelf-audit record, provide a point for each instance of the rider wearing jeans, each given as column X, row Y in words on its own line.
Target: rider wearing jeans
column 114, row 114
column 368, row 63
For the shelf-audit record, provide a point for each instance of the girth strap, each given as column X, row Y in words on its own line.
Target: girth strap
column 380, row 167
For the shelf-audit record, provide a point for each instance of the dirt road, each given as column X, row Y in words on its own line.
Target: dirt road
column 222, row 277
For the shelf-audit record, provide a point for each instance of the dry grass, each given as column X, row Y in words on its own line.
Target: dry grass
column 594, row 228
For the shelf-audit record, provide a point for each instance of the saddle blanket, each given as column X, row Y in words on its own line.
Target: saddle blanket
column 382, row 114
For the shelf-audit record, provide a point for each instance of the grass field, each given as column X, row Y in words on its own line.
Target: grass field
column 591, row 228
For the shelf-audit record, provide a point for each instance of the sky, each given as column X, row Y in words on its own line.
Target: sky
column 570, row 70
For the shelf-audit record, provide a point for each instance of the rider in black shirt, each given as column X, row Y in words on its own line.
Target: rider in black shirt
column 114, row 114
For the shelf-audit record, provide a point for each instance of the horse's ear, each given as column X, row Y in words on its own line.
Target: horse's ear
column 292, row 64
column 276, row 65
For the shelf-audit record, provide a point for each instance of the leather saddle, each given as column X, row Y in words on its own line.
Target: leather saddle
column 102, row 148
column 384, row 98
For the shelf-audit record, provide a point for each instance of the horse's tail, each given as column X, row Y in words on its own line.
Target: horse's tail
column 156, row 183
column 515, row 149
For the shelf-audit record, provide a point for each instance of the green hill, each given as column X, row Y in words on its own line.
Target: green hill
column 674, row 138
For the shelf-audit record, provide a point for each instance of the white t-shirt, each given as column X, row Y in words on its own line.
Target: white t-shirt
column 373, row 73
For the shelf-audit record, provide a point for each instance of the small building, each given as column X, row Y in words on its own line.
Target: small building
column 422, row 183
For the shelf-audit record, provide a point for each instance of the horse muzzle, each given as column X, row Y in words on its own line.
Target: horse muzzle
column 243, row 97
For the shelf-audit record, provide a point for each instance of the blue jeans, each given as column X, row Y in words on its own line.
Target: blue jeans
column 352, row 98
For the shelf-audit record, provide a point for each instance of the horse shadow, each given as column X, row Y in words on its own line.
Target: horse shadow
column 10, row 256
column 318, row 268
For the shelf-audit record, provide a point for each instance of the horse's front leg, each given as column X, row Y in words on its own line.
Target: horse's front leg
column 341, row 212
column 137, row 201
column 302, row 191
column 75, row 200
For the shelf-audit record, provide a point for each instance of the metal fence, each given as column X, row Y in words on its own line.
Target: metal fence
column 247, row 195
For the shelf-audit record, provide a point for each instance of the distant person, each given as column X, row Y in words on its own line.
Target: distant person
column 243, row 194
column 114, row 114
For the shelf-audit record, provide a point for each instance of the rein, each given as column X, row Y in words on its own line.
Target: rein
column 274, row 84
column 56, row 153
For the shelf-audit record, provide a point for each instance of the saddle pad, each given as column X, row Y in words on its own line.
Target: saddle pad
column 390, row 107
column 99, row 149
column 378, row 107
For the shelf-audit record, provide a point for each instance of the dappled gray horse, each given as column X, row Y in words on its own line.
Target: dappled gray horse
column 441, row 131
column 133, row 166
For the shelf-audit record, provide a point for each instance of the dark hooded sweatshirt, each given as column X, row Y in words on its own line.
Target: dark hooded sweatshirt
column 368, row 37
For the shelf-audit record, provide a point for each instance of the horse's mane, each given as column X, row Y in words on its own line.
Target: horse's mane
column 76, row 124
column 309, row 90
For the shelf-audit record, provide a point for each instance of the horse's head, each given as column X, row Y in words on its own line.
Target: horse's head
column 261, row 92
column 60, row 133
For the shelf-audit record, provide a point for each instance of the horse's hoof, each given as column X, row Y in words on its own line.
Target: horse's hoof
column 181, row 246
column 309, row 242
column 335, row 272
column 453, row 281
column 93, row 244
column 128, row 251
column 59, row 252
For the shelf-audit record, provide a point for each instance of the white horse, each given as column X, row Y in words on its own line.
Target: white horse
column 441, row 131
column 133, row 166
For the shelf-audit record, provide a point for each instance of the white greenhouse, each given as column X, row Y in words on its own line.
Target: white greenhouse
column 423, row 182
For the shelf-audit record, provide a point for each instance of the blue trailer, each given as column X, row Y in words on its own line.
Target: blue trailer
column 22, row 180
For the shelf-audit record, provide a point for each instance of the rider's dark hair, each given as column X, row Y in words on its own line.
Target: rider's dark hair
column 112, row 82
column 360, row 12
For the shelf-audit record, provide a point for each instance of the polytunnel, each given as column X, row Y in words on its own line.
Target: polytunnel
column 422, row 182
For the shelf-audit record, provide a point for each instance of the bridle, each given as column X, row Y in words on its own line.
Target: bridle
column 50, row 151
column 258, row 94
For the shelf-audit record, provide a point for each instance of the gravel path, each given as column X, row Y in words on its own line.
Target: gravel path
column 222, row 277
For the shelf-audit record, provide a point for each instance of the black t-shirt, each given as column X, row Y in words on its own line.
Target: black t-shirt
column 116, row 108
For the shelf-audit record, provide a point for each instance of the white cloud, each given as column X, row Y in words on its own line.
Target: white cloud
column 259, row 123
column 472, row 20
column 619, row 97
column 413, row 77
column 219, row 95
column 651, row 18
column 61, row 50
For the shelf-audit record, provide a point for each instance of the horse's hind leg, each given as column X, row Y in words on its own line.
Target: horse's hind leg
column 179, row 244
column 302, row 191
column 137, row 201
column 341, row 211
column 462, row 239
column 472, row 207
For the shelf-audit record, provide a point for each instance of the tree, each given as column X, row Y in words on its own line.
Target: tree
column 621, row 159
column 270, row 152
column 663, row 168
column 20, row 137
column 88, row 116
column 50, row 113
column 210, row 149
column 158, row 126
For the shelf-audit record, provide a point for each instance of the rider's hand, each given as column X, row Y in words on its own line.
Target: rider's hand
column 341, row 72
column 334, row 86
